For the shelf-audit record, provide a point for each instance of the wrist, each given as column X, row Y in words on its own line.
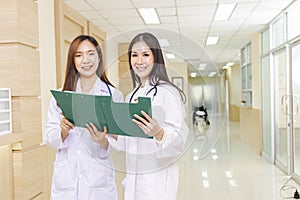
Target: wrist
column 160, row 137
column 104, row 143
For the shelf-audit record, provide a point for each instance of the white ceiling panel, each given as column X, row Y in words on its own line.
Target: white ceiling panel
column 109, row 5
column 120, row 13
column 196, row 10
column 169, row 11
column 153, row 3
column 185, row 23
column 79, row 5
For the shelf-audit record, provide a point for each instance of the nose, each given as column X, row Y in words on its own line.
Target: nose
column 140, row 59
column 85, row 58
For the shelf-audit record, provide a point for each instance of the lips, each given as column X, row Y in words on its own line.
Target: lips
column 87, row 67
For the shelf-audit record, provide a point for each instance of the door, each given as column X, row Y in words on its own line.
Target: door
column 295, row 109
column 281, row 110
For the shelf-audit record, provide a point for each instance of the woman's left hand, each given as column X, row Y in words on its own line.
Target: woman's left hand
column 149, row 125
column 98, row 136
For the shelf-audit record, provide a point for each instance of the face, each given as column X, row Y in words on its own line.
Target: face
column 86, row 59
column 142, row 60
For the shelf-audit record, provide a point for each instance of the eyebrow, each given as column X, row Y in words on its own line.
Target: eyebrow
column 91, row 50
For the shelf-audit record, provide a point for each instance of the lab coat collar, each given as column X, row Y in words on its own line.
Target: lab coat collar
column 98, row 87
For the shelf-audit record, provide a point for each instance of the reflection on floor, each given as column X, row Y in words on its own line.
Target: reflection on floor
column 232, row 171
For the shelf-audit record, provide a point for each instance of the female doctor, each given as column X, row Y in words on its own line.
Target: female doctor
column 152, row 172
column 83, row 168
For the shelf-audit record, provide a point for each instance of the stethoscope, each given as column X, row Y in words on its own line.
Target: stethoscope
column 110, row 94
column 153, row 88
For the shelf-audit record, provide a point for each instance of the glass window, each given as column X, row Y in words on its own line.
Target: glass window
column 278, row 32
column 265, row 41
column 293, row 17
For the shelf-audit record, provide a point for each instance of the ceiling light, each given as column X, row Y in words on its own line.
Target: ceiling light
column 170, row 56
column 205, row 183
column 212, row 40
column 202, row 66
column 193, row 74
column 163, row 42
column 212, row 74
column 224, row 11
column 230, row 64
column 149, row 15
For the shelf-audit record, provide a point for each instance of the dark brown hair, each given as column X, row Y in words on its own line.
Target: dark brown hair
column 159, row 72
column 71, row 71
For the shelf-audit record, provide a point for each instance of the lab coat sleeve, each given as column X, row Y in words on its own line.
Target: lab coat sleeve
column 117, row 96
column 118, row 144
column 175, row 128
column 53, row 130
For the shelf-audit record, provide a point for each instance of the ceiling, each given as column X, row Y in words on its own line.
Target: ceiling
column 185, row 24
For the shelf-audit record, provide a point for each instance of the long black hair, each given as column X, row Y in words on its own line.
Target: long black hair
column 158, row 74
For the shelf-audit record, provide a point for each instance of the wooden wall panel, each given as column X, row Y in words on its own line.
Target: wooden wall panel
column 251, row 135
column 26, row 116
column 69, row 25
column 20, row 19
column 19, row 66
column 6, row 173
column 29, row 167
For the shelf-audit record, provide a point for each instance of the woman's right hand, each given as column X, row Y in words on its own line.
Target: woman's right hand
column 65, row 126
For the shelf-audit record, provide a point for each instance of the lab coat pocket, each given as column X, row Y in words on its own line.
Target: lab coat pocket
column 62, row 179
column 97, row 174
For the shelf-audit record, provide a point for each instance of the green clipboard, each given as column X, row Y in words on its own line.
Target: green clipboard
column 81, row 109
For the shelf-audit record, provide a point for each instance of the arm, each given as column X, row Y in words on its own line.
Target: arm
column 167, row 125
column 56, row 130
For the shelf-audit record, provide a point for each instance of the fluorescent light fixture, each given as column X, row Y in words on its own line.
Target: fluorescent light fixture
column 213, row 151
column 163, row 42
column 204, row 174
column 215, row 157
column 232, row 183
column 195, row 150
column 195, row 157
column 193, row 74
column 202, row 66
column 212, row 40
column 224, row 11
column 205, row 183
column 170, row 56
column 149, row 15
column 212, row 74
column 228, row 174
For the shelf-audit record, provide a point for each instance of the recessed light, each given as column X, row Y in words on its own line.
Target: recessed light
column 149, row 15
column 224, row 11
column 212, row 40
column 170, row 56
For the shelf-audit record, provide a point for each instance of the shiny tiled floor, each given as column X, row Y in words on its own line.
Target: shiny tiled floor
column 232, row 171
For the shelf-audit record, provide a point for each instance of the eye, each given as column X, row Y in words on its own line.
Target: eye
column 92, row 53
column 146, row 54
column 77, row 55
column 134, row 55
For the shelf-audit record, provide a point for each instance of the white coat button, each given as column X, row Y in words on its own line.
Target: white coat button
column 79, row 176
column 78, row 151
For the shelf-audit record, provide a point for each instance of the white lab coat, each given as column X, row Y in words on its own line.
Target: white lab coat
column 83, row 170
column 152, row 172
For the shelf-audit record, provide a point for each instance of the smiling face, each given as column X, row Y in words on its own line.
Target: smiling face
column 142, row 60
column 86, row 59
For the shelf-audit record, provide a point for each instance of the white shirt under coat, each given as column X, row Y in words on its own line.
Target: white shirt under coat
column 82, row 168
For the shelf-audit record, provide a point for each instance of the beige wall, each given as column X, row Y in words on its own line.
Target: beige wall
column 250, row 118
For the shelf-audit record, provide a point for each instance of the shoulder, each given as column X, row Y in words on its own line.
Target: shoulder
column 117, row 94
column 168, row 89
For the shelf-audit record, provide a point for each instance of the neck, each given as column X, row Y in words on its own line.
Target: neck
column 87, row 83
column 143, row 82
